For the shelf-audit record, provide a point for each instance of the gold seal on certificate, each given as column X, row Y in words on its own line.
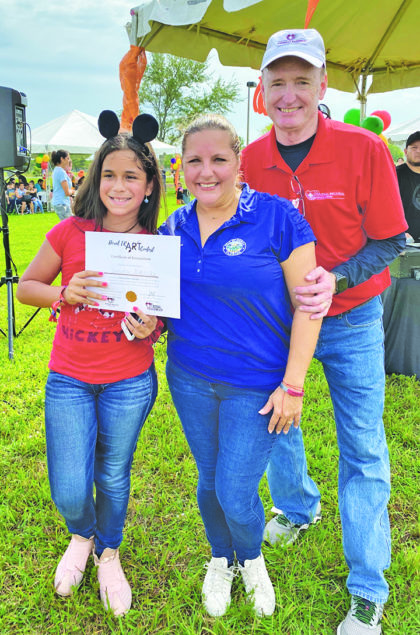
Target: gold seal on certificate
column 140, row 270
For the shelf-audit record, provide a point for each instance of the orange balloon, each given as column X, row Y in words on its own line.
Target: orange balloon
column 384, row 139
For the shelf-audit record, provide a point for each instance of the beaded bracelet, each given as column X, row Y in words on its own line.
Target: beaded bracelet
column 55, row 309
column 291, row 391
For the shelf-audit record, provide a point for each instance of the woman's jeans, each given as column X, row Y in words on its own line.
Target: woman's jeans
column 351, row 350
column 62, row 210
column 92, row 432
column 231, row 446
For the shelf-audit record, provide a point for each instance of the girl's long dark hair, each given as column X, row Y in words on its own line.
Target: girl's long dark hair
column 88, row 203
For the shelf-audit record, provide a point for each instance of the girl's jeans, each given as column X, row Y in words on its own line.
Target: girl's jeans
column 92, row 432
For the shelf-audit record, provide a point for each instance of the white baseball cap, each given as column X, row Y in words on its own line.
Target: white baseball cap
column 304, row 43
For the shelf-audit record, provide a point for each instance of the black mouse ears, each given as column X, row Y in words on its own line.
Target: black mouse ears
column 145, row 127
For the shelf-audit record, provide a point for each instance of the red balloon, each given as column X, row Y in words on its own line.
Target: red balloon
column 44, row 165
column 385, row 116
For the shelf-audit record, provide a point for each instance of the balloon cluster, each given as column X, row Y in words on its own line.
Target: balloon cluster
column 42, row 160
column 377, row 122
column 176, row 162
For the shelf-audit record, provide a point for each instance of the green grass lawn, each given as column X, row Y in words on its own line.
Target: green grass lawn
column 165, row 548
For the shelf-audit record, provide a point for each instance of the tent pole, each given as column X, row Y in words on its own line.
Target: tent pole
column 363, row 98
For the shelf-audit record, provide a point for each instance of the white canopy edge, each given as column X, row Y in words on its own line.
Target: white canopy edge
column 175, row 13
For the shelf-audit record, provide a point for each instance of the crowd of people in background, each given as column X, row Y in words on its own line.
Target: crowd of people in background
column 22, row 196
column 28, row 197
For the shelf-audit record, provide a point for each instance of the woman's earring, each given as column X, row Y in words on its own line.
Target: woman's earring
column 146, row 200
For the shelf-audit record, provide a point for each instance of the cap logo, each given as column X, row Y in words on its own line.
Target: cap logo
column 291, row 38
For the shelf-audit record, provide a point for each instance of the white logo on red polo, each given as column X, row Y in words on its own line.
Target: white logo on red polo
column 316, row 195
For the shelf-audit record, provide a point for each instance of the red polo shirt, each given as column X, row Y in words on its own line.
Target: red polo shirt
column 350, row 193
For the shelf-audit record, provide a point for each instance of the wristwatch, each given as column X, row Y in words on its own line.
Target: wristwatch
column 341, row 282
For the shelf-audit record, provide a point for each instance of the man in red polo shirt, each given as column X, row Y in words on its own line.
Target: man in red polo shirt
column 343, row 180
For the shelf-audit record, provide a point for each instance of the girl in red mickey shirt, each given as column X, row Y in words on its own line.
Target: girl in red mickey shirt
column 101, row 386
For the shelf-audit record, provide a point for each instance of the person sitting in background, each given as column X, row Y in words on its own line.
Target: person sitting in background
column 23, row 200
column 11, row 196
column 39, row 185
column 32, row 191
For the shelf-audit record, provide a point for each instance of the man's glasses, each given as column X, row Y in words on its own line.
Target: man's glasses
column 299, row 194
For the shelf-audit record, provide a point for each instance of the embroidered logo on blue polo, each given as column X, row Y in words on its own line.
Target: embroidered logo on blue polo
column 234, row 247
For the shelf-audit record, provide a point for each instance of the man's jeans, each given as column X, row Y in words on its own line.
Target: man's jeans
column 92, row 432
column 350, row 348
column 231, row 446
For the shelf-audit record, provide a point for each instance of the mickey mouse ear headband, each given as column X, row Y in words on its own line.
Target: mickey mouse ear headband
column 145, row 127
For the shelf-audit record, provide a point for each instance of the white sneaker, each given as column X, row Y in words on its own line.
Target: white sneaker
column 283, row 531
column 363, row 618
column 216, row 586
column 258, row 584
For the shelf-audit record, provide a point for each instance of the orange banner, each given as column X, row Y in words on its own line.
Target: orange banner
column 312, row 4
column 258, row 102
column 132, row 67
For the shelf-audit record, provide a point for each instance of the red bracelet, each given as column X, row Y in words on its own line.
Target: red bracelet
column 291, row 392
column 292, row 386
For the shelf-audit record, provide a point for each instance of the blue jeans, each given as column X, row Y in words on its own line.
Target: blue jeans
column 62, row 210
column 92, row 432
column 231, row 447
column 350, row 348
column 37, row 205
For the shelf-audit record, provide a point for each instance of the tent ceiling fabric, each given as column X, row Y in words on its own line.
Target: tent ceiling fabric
column 378, row 37
column 77, row 133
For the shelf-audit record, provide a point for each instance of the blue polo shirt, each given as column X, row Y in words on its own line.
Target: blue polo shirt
column 236, row 313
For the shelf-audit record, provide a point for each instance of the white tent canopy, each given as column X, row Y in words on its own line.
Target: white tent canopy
column 77, row 133
column 399, row 134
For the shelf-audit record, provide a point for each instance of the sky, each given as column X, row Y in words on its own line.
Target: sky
column 65, row 56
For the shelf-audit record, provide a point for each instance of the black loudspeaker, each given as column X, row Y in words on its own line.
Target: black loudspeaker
column 14, row 152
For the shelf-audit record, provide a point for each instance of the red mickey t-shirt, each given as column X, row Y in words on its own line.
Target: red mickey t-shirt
column 89, row 344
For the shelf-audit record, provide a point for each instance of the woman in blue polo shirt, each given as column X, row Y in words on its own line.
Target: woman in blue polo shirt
column 238, row 356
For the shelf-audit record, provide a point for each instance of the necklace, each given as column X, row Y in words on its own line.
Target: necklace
column 127, row 230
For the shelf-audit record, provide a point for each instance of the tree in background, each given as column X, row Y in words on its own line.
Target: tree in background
column 176, row 89
column 396, row 151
